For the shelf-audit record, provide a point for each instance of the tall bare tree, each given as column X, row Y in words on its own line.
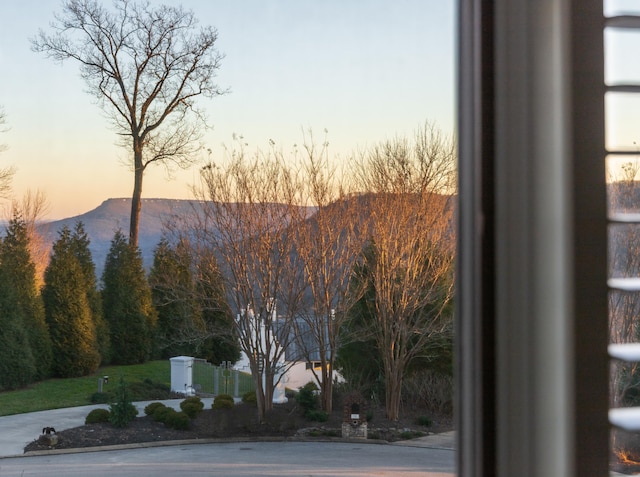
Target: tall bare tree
column 249, row 205
column 327, row 244
column 409, row 222
column 146, row 66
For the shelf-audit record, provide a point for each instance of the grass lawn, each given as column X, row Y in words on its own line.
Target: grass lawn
column 59, row 393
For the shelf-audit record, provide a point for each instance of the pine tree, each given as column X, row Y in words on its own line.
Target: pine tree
column 179, row 323
column 126, row 302
column 359, row 358
column 80, row 248
column 222, row 344
column 68, row 312
column 17, row 365
column 193, row 316
column 20, row 276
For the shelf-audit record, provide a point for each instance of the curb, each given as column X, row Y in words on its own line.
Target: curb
column 144, row 445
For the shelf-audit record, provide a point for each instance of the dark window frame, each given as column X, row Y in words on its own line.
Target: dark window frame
column 532, row 187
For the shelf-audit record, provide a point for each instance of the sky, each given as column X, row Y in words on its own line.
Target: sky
column 364, row 71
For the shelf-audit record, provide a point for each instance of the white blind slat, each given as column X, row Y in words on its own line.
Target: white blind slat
column 627, row 418
column 625, row 284
column 625, row 351
column 624, row 217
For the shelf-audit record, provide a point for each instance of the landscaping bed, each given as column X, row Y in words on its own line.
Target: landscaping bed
column 285, row 421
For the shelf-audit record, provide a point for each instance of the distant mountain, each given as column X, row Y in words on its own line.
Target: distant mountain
column 102, row 222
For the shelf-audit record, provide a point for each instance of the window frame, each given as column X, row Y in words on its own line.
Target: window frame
column 532, row 334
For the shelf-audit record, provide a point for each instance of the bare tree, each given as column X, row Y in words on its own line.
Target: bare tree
column 3, row 127
column 327, row 244
column 249, row 204
column 7, row 173
column 33, row 207
column 410, row 267
column 146, row 66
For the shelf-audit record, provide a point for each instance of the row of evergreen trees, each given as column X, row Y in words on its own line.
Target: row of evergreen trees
column 69, row 326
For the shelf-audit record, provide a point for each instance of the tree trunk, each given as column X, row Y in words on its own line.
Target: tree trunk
column 327, row 388
column 136, row 199
column 393, row 391
column 260, row 397
column 268, row 389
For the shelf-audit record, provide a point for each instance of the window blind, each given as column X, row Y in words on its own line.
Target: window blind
column 621, row 87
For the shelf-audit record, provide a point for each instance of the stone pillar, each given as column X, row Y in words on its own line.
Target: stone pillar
column 354, row 417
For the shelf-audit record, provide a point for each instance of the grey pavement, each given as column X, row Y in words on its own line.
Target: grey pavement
column 429, row 456
column 242, row 459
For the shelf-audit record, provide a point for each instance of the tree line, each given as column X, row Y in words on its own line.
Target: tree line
column 282, row 252
column 285, row 252
column 319, row 258
column 69, row 327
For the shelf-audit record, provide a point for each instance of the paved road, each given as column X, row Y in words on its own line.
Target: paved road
column 248, row 459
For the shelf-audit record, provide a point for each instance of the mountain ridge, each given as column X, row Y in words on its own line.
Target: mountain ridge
column 102, row 222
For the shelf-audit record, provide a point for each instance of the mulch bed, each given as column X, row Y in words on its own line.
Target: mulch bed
column 286, row 420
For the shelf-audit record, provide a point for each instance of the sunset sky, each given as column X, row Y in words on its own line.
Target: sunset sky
column 364, row 71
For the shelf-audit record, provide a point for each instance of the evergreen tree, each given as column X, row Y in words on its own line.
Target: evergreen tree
column 80, row 248
column 179, row 327
column 126, row 302
column 68, row 312
column 358, row 358
column 222, row 344
column 193, row 316
column 17, row 365
column 20, row 276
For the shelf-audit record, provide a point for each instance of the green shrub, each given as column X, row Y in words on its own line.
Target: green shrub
column 177, row 420
column 165, row 414
column 150, row 408
column 191, row 406
column 423, row 421
column 160, row 413
column 250, row 398
column 97, row 415
column 316, row 415
column 147, row 390
column 102, row 398
column 122, row 409
column 223, row 401
column 192, row 400
column 307, row 397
